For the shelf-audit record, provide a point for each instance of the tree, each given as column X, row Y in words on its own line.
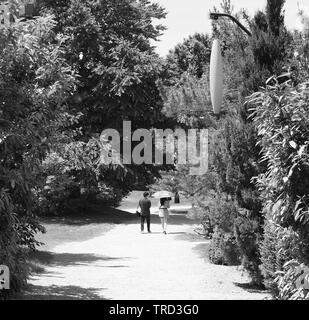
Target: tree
column 279, row 115
column 188, row 101
column 191, row 56
column 275, row 16
column 280, row 118
column 35, row 82
column 109, row 46
column 270, row 39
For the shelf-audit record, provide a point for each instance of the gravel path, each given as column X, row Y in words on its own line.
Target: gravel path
column 125, row 264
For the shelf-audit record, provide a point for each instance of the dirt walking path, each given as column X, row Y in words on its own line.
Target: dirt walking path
column 125, row 264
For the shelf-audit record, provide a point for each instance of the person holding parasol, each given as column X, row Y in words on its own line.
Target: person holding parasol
column 164, row 204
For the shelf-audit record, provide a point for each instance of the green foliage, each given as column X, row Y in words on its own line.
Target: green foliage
column 270, row 39
column 250, row 61
column 281, row 121
column 223, row 248
column 34, row 83
column 248, row 237
column 106, row 45
column 279, row 246
column 188, row 102
column 192, row 56
column 54, row 198
column 75, row 175
column 109, row 45
column 280, row 116
column 275, row 16
column 223, row 215
column 215, row 253
column 236, row 162
column 10, row 252
column 269, row 250
column 287, row 280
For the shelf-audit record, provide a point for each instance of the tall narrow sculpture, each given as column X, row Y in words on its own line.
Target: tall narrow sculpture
column 216, row 77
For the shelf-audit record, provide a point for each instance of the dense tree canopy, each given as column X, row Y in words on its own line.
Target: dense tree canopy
column 109, row 47
column 191, row 56
column 35, row 81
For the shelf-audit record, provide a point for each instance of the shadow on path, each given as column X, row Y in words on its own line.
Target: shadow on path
column 250, row 288
column 202, row 250
column 189, row 236
column 68, row 259
column 96, row 215
column 115, row 216
column 60, row 293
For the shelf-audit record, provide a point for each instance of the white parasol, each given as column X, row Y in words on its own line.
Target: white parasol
column 162, row 194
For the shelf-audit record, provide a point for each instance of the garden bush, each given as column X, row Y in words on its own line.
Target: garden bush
column 35, row 81
column 281, row 118
column 223, row 248
column 231, row 252
column 68, row 189
column 248, row 236
column 53, row 198
column 11, row 253
column 293, row 281
column 222, row 214
column 279, row 245
column 207, row 225
column 62, row 195
column 215, row 252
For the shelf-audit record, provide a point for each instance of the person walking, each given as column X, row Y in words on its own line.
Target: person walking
column 145, row 205
column 177, row 198
column 164, row 205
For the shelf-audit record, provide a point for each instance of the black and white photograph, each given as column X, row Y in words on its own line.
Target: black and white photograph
column 154, row 154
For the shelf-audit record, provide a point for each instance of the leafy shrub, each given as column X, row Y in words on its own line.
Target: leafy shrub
column 230, row 249
column 268, row 250
column 68, row 187
column 110, row 195
column 281, row 118
column 207, row 225
column 53, row 199
column 34, row 83
column 11, row 254
column 223, row 248
column 248, row 236
column 215, row 252
column 279, row 245
column 223, row 214
column 293, row 281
